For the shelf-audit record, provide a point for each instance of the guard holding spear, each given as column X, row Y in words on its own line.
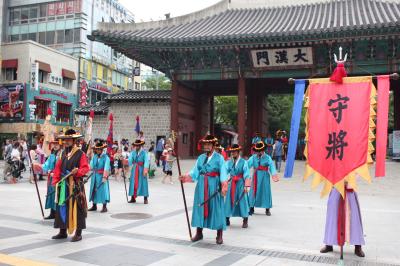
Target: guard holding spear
column 210, row 174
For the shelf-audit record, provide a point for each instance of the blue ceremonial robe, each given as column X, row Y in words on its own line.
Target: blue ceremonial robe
column 139, row 160
column 262, row 197
column 49, row 166
column 238, row 208
column 100, row 165
column 214, row 165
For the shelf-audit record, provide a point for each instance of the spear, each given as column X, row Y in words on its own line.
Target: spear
column 182, row 188
column 36, row 185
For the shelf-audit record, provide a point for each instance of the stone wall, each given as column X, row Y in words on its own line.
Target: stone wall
column 154, row 121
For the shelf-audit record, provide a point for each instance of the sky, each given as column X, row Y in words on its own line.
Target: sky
column 148, row 10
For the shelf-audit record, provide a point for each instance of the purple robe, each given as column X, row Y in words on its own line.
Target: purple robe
column 356, row 228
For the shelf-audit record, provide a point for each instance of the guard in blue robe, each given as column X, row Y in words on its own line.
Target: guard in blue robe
column 48, row 168
column 210, row 174
column 99, row 185
column 236, row 200
column 269, row 142
column 139, row 161
column 264, row 168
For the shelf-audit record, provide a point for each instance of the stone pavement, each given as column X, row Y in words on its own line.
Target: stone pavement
column 156, row 234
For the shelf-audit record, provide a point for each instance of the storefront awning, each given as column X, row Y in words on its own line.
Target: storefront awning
column 65, row 103
column 42, row 98
column 10, row 63
column 68, row 74
column 44, row 66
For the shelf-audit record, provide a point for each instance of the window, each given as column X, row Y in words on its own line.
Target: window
column 15, row 15
column 14, row 38
column 105, row 72
column 10, row 73
column 184, row 138
column 69, row 36
column 67, row 83
column 33, row 12
column 32, row 36
column 24, row 37
column 85, row 69
column 77, row 35
column 43, row 10
column 137, row 86
column 42, row 37
column 41, row 108
column 50, row 37
column 24, row 15
column 60, row 36
column 94, row 71
column 42, row 76
column 63, row 112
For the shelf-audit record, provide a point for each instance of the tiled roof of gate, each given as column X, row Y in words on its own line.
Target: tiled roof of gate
column 101, row 108
column 328, row 16
column 140, row 95
column 126, row 96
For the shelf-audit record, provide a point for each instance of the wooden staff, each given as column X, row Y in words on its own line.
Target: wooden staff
column 182, row 188
column 36, row 185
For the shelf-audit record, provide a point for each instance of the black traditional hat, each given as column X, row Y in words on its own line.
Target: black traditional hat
column 138, row 142
column 234, row 147
column 70, row 134
column 100, row 145
column 259, row 146
column 209, row 139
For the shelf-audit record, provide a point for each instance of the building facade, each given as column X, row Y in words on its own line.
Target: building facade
column 152, row 107
column 64, row 25
column 32, row 81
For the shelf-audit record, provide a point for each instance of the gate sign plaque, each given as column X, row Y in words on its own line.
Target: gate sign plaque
column 282, row 57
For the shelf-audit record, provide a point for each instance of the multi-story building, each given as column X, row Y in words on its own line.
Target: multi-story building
column 33, row 79
column 64, row 25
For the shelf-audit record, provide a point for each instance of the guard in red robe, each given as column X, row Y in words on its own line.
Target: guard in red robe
column 68, row 176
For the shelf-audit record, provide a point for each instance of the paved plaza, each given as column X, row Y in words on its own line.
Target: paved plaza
column 156, row 234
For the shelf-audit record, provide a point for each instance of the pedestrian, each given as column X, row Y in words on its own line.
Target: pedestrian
column 7, row 156
column 264, row 169
column 139, row 161
column 48, row 168
column 125, row 156
column 99, row 185
column 212, row 184
column 40, row 158
column 159, row 150
column 118, row 164
column 16, row 160
column 70, row 192
column 236, row 200
column 35, row 161
column 152, row 162
column 277, row 154
column 140, row 136
column 170, row 158
column 163, row 157
column 285, row 142
column 353, row 223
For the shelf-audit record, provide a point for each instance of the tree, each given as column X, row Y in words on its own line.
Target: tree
column 151, row 83
column 226, row 110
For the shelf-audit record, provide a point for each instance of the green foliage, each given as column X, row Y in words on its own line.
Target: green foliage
column 226, row 110
column 279, row 108
column 163, row 83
